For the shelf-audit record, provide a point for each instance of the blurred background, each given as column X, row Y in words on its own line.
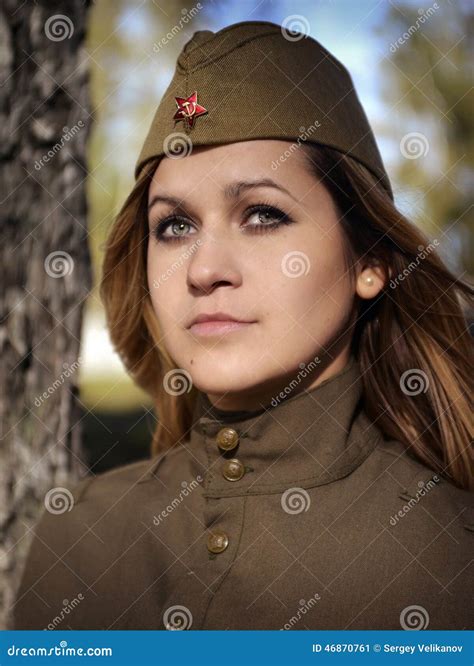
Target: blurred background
column 411, row 64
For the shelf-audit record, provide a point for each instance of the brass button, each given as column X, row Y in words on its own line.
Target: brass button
column 217, row 541
column 227, row 439
column 233, row 470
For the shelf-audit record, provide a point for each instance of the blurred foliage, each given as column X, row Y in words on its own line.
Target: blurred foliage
column 430, row 76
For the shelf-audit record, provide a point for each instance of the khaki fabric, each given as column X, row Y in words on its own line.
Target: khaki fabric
column 314, row 541
column 256, row 83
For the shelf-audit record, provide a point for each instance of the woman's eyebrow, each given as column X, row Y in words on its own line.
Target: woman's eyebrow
column 163, row 198
column 231, row 191
column 234, row 190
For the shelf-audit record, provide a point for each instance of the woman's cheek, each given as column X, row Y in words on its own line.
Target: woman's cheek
column 164, row 286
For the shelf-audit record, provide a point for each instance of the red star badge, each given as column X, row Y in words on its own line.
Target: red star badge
column 188, row 110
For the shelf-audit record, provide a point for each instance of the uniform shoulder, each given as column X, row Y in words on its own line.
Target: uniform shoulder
column 415, row 481
column 113, row 482
column 75, row 538
column 66, row 509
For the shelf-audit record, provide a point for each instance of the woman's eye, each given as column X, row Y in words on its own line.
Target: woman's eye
column 258, row 219
column 266, row 216
column 171, row 230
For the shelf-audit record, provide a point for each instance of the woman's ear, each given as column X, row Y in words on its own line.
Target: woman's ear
column 370, row 280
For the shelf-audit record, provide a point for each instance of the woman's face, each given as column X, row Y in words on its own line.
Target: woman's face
column 262, row 245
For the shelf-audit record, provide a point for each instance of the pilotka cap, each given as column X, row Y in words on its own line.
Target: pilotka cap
column 257, row 80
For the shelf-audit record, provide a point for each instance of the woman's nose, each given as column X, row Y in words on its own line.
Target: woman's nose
column 214, row 263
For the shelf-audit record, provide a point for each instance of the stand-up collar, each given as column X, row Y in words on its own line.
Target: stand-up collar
column 307, row 439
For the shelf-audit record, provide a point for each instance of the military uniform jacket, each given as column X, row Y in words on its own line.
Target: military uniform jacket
column 297, row 516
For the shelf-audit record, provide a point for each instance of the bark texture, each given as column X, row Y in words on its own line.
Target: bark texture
column 45, row 266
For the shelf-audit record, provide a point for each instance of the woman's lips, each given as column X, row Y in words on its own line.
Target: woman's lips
column 216, row 327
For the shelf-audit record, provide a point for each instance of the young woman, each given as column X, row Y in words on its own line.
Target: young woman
column 311, row 366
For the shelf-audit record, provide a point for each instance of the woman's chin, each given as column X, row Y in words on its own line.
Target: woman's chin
column 226, row 385
column 224, row 379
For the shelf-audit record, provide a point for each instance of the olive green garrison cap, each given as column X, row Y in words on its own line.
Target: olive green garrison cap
column 256, row 80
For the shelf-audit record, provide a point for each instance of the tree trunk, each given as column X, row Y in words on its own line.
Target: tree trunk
column 45, row 267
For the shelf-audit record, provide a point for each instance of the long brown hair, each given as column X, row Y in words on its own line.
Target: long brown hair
column 412, row 341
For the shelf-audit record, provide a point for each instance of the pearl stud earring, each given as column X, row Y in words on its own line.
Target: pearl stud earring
column 369, row 280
